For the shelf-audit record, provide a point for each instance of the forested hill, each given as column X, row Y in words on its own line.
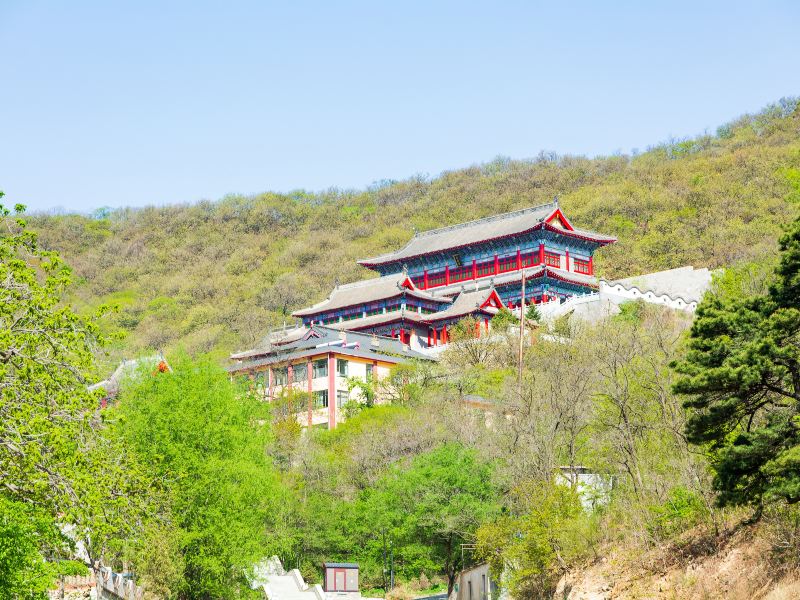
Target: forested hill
column 213, row 276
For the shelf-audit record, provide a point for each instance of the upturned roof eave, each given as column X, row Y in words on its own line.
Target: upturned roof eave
column 322, row 307
column 584, row 234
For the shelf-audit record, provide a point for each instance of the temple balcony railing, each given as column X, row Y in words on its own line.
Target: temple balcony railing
column 501, row 264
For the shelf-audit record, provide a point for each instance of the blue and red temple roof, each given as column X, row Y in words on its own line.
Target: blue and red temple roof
column 546, row 216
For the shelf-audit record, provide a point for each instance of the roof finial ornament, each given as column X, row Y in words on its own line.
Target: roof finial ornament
column 405, row 269
column 555, row 200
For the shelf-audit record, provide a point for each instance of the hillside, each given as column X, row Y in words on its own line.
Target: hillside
column 740, row 562
column 214, row 275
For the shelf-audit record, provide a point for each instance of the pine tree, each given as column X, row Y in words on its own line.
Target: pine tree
column 742, row 376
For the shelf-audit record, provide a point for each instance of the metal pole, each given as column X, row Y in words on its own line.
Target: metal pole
column 521, row 334
column 384, row 558
column 391, row 565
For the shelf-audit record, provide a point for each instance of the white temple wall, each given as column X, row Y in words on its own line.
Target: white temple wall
column 617, row 293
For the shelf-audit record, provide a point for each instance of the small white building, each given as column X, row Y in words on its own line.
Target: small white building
column 478, row 583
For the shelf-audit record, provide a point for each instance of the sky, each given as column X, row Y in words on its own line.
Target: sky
column 158, row 102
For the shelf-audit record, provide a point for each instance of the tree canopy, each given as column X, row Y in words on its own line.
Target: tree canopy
column 742, row 376
column 54, row 454
column 203, row 442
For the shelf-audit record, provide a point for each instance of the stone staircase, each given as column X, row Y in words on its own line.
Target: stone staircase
column 279, row 585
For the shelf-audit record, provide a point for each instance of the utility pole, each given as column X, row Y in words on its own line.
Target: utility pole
column 384, row 559
column 391, row 565
column 521, row 334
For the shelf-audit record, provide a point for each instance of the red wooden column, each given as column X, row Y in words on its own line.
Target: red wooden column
column 447, row 275
column 429, row 337
column 331, row 391
column 435, row 341
column 486, row 323
column 270, row 382
column 474, row 269
column 496, row 264
column 541, row 253
column 289, row 376
column 310, row 370
column 477, row 329
column 566, row 259
column 444, row 334
column 425, row 279
column 591, row 266
column 519, row 259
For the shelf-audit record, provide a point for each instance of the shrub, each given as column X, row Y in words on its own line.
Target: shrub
column 681, row 510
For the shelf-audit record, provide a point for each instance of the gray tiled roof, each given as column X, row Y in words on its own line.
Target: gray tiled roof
column 365, row 291
column 410, row 316
column 530, row 272
column 496, row 226
column 369, row 346
column 465, row 303
column 600, row 237
column 464, row 295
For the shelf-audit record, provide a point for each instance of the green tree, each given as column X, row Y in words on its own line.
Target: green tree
column 53, row 451
column 367, row 388
column 533, row 314
column 45, row 359
column 503, row 320
column 470, row 344
column 31, row 549
column 205, row 441
column 742, row 376
column 430, row 508
column 407, row 383
column 539, row 542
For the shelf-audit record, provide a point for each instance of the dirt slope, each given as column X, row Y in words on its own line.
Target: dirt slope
column 739, row 564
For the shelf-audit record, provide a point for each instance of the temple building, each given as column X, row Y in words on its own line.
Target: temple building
column 472, row 269
column 437, row 279
column 319, row 362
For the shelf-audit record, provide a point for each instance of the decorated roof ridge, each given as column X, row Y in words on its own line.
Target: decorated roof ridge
column 540, row 270
column 328, row 333
column 487, row 229
column 489, row 219
column 450, row 228
column 363, row 352
column 369, row 281
column 463, row 304
column 369, row 336
column 396, row 284
column 553, row 206
column 578, row 232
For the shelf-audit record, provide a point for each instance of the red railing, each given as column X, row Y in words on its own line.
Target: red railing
column 494, row 266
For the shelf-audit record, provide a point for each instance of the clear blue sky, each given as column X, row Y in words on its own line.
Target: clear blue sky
column 146, row 102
